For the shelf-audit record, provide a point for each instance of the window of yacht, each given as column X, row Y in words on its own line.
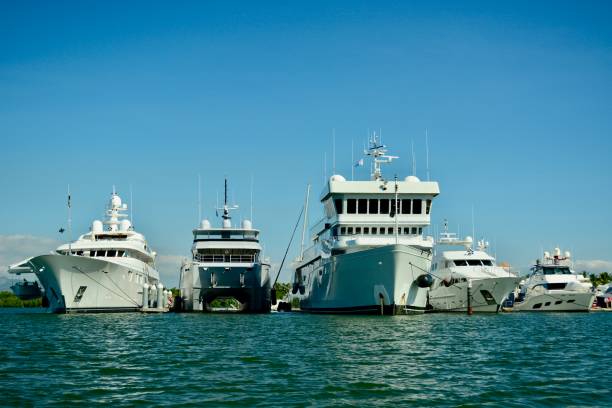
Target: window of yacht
column 406, row 206
column 428, row 207
column 373, row 206
column 338, row 202
column 357, row 230
column 420, row 231
column 393, row 203
column 487, row 262
column 390, row 230
column 382, row 230
column 474, row 262
column 406, row 230
column 351, row 206
column 342, row 230
column 414, row 230
column 557, row 271
column 362, row 206
column 374, row 230
column 350, row 230
column 100, row 253
column 366, row 230
column 111, row 252
column 384, row 207
column 417, row 206
column 460, row 262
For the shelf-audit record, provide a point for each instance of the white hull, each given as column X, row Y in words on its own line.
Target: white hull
column 378, row 280
column 487, row 295
column 83, row 284
column 556, row 301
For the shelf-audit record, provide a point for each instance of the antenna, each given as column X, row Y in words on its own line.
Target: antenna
column 334, row 151
column 199, row 198
column 352, row 160
column 305, row 222
column 131, row 205
column 473, row 228
column 413, row 160
column 251, row 197
column 70, row 221
column 427, row 152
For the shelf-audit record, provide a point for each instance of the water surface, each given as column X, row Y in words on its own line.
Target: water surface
column 297, row 359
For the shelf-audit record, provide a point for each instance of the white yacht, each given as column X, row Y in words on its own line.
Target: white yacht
column 552, row 286
column 459, row 272
column 368, row 252
column 104, row 270
column 226, row 263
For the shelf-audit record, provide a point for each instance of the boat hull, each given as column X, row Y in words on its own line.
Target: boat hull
column 556, row 301
column 83, row 284
column 373, row 281
column 487, row 295
column 249, row 284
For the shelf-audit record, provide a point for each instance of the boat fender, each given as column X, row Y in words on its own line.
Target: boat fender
column 294, row 288
column 424, row 281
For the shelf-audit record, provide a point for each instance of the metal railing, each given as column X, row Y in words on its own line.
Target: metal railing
column 224, row 258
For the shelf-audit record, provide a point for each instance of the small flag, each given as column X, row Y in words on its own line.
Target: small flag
column 359, row 163
column 61, row 230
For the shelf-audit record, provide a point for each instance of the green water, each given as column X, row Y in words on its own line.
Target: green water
column 287, row 360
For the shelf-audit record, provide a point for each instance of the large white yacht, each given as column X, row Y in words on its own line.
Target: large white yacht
column 553, row 286
column 226, row 263
column 457, row 272
column 368, row 253
column 104, row 270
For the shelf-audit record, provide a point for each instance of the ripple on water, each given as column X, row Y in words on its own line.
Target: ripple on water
column 305, row 360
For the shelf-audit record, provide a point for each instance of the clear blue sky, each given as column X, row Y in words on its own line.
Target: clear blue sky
column 516, row 97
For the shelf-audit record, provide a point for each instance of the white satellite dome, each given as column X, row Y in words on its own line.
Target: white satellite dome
column 116, row 201
column 247, row 225
column 205, row 224
column 337, row 177
column 227, row 224
column 97, row 227
column 412, row 179
column 125, row 225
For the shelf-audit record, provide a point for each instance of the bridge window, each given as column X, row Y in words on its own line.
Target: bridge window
column 374, row 230
column 414, row 230
column 338, row 202
column 351, row 206
column 366, row 230
column 373, row 206
column 474, row 262
column 428, row 207
column 417, row 206
column 111, row 252
column 362, row 206
column 487, row 262
column 349, row 230
column 384, row 207
column 390, row 230
column 342, row 230
column 460, row 262
column 406, row 206
column 357, row 230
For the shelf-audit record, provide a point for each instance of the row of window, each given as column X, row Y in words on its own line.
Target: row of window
column 378, row 230
column 110, row 253
column 381, row 206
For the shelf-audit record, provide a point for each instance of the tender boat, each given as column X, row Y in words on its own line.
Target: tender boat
column 468, row 272
column 553, row 286
column 368, row 253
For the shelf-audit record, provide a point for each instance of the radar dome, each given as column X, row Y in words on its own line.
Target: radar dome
column 412, row 179
column 205, row 224
column 125, row 225
column 116, row 201
column 557, row 251
column 469, row 239
column 567, row 254
column 337, row 177
column 247, row 225
column 97, row 227
column 227, row 224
